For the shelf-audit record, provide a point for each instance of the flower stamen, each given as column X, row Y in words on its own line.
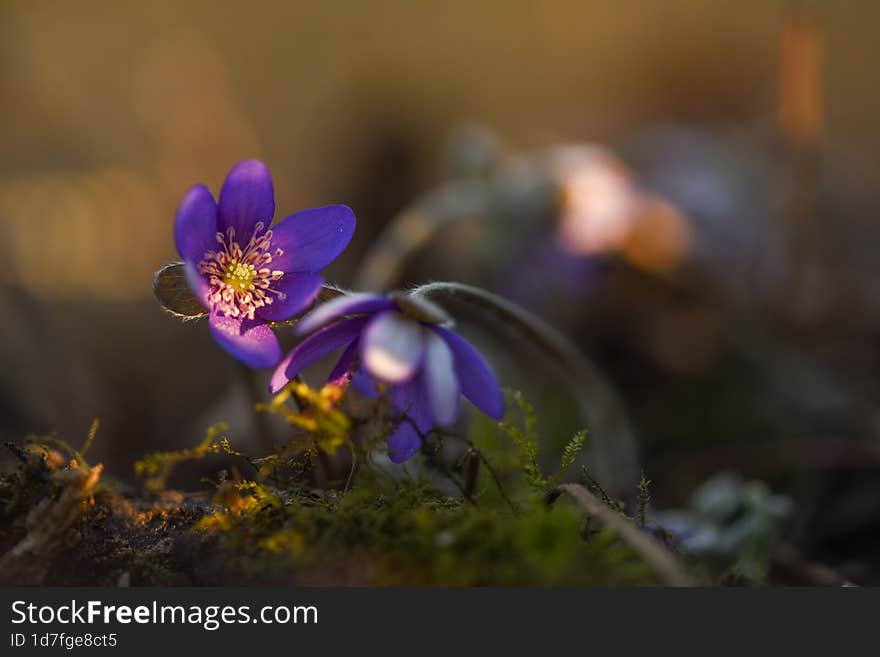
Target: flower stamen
column 240, row 279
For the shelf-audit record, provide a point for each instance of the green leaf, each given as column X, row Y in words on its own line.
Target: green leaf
column 173, row 292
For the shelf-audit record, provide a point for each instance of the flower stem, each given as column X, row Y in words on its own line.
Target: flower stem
column 494, row 474
column 254, row 392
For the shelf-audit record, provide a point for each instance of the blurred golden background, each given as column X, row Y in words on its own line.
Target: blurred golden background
column 110, row 110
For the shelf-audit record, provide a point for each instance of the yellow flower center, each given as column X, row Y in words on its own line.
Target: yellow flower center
column 239, row 275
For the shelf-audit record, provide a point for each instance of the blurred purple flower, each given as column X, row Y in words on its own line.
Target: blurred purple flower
column 247, row 273
column 396, row 341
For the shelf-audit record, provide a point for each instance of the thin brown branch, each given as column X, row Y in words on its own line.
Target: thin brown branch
column 664, row 563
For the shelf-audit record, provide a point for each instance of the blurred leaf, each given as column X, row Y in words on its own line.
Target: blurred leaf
column 173, row 292
column 613, row 455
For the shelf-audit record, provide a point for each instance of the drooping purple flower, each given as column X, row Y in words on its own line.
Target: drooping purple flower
column 247, row 272
column 396, row 341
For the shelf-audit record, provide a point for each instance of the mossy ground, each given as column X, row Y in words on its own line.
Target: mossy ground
column 382, row 532
column 381, row 526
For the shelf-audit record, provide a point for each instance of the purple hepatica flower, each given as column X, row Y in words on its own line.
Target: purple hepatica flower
column 247, row 273
column 397, row 341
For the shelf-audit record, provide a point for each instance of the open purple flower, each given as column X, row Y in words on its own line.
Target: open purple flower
column 398, row 342
column 247, row 273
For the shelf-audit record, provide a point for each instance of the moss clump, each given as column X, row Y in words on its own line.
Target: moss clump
column 477, row 518
column 405, row 533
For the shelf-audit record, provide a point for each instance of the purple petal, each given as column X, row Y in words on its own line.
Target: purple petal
column 403, row 443
column 343, row 367
column 195, row 227
column 350, row 304
column 299, row 291
column 475, row 377
column 314, row 348
column 406, row 440
column 250, row 341
column 311, row 239
column 410, row 398
column 392, row 347
column 364, row 384
column 440, row 381
column 246, row 198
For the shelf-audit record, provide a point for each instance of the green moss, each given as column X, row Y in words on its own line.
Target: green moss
column 157, row 467
column 405, row 533
column 385, row 525
column 23, row 486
